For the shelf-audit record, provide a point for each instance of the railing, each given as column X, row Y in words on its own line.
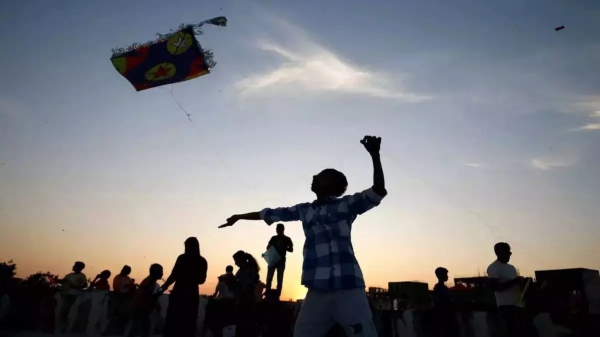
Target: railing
column 89, row 316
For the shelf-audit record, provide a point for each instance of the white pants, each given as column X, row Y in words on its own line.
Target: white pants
column 349, row 308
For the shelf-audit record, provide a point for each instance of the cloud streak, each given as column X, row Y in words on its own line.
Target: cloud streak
column 309, row 67
column 547, row 164
column 474, row 165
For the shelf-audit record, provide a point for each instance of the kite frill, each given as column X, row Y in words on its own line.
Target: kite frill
column 207, row 53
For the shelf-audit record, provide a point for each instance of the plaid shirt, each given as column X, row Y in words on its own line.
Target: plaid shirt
column 329, row 261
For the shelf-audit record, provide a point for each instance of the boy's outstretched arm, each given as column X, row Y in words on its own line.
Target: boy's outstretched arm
column 237, row 217
column 268, row 215
column 372, row 145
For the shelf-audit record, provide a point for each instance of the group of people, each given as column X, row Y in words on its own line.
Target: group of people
column 330, row 270
column 182, row 313
column 509, row 289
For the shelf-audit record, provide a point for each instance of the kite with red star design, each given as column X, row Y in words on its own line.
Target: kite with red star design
column 171, row 58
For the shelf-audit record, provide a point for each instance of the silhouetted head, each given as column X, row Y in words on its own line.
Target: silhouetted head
column 192, row 246
column 125, row 271
column 229, row 269
column 78, row 267
column 442, row 274
column 502, row 250
column 105, row 274
column 280, row 229
column 329, row 183
column 156, row 271
column 240, row 258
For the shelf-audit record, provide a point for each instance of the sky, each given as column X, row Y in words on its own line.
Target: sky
column 490, row 121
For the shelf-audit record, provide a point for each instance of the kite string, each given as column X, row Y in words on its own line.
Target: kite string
column 482, row 219
column 179, row 104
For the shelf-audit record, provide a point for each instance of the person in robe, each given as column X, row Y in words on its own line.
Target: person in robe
column 188, row 273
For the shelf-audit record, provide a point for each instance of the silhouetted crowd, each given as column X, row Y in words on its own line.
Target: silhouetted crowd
column 336, row 303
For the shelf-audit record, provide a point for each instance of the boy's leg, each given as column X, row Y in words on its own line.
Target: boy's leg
column 280, row 271
column 351, row 310
column 314, row 319
column 270, row 272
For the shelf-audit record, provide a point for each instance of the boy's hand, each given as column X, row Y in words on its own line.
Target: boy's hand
column 371, row 144
column 230, row 222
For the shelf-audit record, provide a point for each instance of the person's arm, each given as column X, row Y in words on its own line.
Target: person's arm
column 290, row 245
column 203, row 271
column 268, row 215
column 270, row 243
column 173, row 277
column 373, row 146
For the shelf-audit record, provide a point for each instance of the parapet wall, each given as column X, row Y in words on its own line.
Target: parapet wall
column 89, row 317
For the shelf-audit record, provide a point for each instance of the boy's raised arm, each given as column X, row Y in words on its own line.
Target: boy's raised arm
column 373, row 145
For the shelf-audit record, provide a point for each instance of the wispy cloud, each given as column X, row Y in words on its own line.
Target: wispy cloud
column 588, row 127
column 547, row 164
column 309, row 66
column 474, row 165
column 590, row 105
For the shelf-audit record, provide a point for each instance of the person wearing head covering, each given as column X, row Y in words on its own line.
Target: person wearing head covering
column 188, row 273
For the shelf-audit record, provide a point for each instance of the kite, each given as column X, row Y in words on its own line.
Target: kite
column 171, row 58
column 559, row 28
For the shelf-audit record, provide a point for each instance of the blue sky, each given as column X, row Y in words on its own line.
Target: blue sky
column 489, row 117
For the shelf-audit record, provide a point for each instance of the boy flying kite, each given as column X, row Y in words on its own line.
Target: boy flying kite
column 330, row 271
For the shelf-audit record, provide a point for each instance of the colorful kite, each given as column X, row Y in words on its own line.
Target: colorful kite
column 171, row 58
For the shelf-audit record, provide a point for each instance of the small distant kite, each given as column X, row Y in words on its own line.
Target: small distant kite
column 171, row 58
column 559, row 28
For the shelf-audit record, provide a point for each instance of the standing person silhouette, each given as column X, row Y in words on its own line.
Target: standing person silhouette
column 247, row 278
column 188, row 273
column 506, row 283
column 282, row 245
column 330, row 271
column 443, row 306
